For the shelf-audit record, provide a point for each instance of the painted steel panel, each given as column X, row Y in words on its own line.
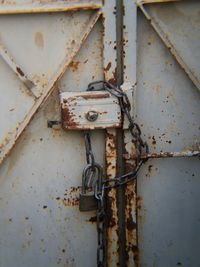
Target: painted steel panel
column 40, row 223
column 178, row 26
column 167, row 107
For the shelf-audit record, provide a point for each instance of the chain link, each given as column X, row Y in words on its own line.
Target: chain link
column 101, row 219
column 140, row 145
column 99, row 195
column 106, row 184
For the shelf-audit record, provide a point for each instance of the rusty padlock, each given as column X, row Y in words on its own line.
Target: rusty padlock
column 88, row 201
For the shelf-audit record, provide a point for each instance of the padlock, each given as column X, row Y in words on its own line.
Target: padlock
column 88, row 201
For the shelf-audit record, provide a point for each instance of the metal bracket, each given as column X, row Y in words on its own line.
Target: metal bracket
column 89, row 110
column 128, row 89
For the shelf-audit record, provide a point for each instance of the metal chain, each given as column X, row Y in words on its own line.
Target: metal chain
column 99, row 195
column 90, row 176
column 133, row 127
column 100, row 223
column 100, row 184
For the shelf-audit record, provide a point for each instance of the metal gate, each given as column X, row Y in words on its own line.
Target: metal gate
column 49, row 47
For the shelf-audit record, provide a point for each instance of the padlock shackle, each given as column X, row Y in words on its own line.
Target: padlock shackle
column 93, row 167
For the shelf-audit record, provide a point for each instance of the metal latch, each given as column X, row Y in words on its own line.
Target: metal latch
column 89, row 110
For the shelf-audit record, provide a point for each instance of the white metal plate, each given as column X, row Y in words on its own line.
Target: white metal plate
column 75, row 106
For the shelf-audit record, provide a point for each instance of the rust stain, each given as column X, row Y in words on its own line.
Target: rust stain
column 95, row 96
column 139, row 202
column 107, row 67
column 74, row 65
column 135, row 252
column 112, row 243
column 111, row 151
column 5, row 142
column 71, row 197
column 20, row 71
column 39, row 39
column 150, row 171
column 153, row 140
column 93, row 219
column 67, row 119
column 111, row 220
column 51, row 86
column 130, row 209
column 70, row 202
column 130, row 199
column 155, row 1
column 130, row 224
column 40, row 9
column 41, row 79
column 150, row 168
column 130, row 167
column 113, row 79
column 29, row 84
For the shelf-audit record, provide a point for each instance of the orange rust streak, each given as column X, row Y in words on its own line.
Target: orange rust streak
column 131, row 210
column 74, row 65
column 139, row 2
column 67, row 119
column 131, row 225
column 70, row 198
column 25, row 9
column 95, row 96
column 111, row 204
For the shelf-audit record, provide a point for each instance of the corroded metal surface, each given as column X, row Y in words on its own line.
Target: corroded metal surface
column 141, row 2
column 75, row 108
column 24, row 6
column 129, row 34
column 110, row 64
column 40, row 179
column 111, row 204
column 10, row 140
column 179, row 36
column 181, row 154
column 167, row 109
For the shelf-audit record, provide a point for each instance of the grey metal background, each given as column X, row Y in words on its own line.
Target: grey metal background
column 168, row 108
column 40, row 224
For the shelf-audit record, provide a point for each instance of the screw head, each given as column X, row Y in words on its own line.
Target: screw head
column 92, row 115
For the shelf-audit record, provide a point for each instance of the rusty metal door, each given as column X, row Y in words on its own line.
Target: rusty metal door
column 40, row 178
column 168, row 108
column 50, row 47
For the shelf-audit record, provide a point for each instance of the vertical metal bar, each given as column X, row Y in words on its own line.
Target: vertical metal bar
column 112, row 253
column 110, row 66
column 130, row 19
column 120, row 135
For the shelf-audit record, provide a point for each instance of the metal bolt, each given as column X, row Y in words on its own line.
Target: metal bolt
column 92, row 115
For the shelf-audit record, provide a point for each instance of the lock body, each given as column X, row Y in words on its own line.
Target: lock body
column 87, row 202
column 89, row 110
